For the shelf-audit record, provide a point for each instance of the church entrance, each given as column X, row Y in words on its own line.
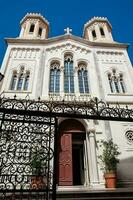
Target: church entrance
column 71, row 153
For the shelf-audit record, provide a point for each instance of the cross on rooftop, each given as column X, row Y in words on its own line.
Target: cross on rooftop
column 68, row 30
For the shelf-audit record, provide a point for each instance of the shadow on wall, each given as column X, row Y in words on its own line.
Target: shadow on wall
column 125, row 172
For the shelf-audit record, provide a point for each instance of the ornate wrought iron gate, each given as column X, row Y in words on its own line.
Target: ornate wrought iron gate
column 25, row 135
column 28, row 130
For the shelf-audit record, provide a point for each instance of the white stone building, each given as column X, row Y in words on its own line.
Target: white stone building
column 70, row 67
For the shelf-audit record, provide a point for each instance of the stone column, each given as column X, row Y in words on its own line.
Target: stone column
column 36, row 29
column 21, row 32
column 107, row 34
column 95, row 178
column 89, row 33
column 98, row 34
column 76, row 80
column 86, row 168
column 43, row 33
column 27, row 28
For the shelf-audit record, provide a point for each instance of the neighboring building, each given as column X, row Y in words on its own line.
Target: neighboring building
column 75, row 68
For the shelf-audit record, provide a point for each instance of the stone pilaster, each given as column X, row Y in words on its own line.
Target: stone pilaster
column 95, row 178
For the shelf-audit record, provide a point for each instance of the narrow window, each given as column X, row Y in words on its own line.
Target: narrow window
column 26, row 82
column 110, row 83
column 32, row 28
column 102, row 31
column 13, row 82
column 94, row 34
column 40, row 32
column 54, row 85
column 83, row 81
column 116, row 84
column 122, row 84
column 20, row 82
column 68, row 74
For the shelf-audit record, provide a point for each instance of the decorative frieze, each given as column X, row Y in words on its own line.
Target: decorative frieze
column 68, row 46
column 25, row 53
column 110, row 56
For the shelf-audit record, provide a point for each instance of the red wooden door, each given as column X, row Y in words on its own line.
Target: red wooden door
column 65, row 159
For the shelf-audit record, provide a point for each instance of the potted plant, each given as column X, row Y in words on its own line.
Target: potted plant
column 109, row 160
column 38, row 166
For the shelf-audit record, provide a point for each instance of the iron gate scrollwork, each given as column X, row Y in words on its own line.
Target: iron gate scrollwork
column 29, row 127
column 22, row 136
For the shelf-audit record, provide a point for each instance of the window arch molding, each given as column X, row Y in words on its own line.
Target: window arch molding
column 68, row 55
column 55, row 63
column 52, row 60
column 65, row 52
column 86, row 62
column 82, row 64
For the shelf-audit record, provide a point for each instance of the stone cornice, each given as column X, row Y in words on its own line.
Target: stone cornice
column 64, row 38
column 97, row 19
column 34, row 15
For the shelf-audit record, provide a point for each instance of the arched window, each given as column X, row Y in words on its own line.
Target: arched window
column 40, row 32
column 26, row 81
column 54, row 85
column 32, row 28
column 102, row 31
column 20, row 82
column 94, row 34
column 116, row 82
column 83, row 79
column 13, row 82
column 68, row 74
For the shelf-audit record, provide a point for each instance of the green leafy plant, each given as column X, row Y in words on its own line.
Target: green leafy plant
column 109, row 157
column 38, row 162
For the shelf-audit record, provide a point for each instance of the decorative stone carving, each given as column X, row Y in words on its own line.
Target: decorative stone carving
column 68, row 46
column 129, row 136
column 26, row 53
column 110, row 56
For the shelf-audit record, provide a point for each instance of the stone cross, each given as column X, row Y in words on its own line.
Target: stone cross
column 68, row 31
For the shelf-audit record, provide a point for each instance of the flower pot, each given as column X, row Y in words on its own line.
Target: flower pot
column 110, row 180
column 38, row 182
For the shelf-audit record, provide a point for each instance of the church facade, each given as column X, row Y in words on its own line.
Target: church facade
column 72, row 68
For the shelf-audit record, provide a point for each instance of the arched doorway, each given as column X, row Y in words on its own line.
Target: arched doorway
column 71, row 153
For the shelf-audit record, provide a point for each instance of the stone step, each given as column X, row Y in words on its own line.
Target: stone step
column 122, row 193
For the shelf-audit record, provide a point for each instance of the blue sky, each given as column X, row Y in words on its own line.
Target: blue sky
column 64, row 13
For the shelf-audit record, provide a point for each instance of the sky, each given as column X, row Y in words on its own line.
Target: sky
column 67, row 13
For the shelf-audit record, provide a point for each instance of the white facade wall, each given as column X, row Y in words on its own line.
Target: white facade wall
column 100, row 60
